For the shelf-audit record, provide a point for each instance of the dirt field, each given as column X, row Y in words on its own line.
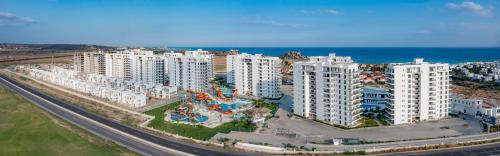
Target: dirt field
column 220, row 64
column 67, row 58
column 476, row 92
column 45, row 58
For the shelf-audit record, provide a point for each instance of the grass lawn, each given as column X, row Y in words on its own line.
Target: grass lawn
column 27, row 130
column 196, row 132
column 262, row 104
column 367, row 122
column 383, row 120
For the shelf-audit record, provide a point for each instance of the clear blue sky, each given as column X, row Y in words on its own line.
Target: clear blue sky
column 263, row 23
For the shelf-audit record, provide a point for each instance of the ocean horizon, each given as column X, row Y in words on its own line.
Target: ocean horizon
column 378, row 55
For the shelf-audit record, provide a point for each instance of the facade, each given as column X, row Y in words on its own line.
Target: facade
column 491, row 109
column 374, row 98
column 147, row 67
column 68, row 78
column 419, row 91
column 463, row 105
column 90, row 63
column 166, row 59
column 327, row 89
column 137, row 65
column 487, row 109
column 124, row 92
column 118, row 65
column 230, row 64
column 192, row 70
column 255, row 75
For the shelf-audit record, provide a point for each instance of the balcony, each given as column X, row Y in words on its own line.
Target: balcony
column 390, row 112
column 356, row 108
column 356, row 118
column 390, row 117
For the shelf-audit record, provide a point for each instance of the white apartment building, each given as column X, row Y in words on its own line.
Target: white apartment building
column 460, row 104
column 327, row 89
column 118, row 65
column 419, row 91
column 230, row 64
column 137, row 65
column 147, row 67
column 255, row 75
column 192, row 70
column 166, row 58
column 90, row 63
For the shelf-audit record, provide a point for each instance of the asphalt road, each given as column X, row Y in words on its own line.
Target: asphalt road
column 480, row 150
column 146, row 143
column 134, row 139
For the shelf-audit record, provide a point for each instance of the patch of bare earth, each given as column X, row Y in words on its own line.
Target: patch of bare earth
column 475, row 92
column 220, row 64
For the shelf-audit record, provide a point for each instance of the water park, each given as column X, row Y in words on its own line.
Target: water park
column 217, row 106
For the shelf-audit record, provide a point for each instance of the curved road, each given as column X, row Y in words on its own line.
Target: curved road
column 146, row 143
column 134, row 139
column 479, row 150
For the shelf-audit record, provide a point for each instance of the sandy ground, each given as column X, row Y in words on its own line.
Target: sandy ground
column 220, row 64
column 474, row 92
column 67, row 59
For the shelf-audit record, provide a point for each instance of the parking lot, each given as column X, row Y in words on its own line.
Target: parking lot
column 311, row 131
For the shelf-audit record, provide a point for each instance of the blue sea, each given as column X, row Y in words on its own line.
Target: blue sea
column 381, row 55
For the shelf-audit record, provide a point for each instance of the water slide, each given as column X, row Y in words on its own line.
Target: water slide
column 221, row 95
column 202, row 96
column 217, row 90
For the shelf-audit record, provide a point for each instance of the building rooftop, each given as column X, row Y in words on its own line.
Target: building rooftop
column 256, row 55
column 328, row 60
column 417, row 61
column 196, row 52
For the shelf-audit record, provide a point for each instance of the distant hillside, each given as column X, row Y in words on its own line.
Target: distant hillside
column 293, row 55
column 52, row 47
column 288, row 59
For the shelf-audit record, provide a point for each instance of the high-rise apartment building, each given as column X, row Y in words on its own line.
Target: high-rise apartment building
column 118, row 65
column 419, row 91
column 147, row 67
column 90, row 62
column 327, row 89
column 192, row 70
column 255, row 75
column 136, row 65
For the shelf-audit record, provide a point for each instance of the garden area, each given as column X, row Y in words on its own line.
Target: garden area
column 262, row 104
column 373, row 120
column 367, row 122
column 194, row 131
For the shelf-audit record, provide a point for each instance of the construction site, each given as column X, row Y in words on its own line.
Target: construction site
column 217, row 106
